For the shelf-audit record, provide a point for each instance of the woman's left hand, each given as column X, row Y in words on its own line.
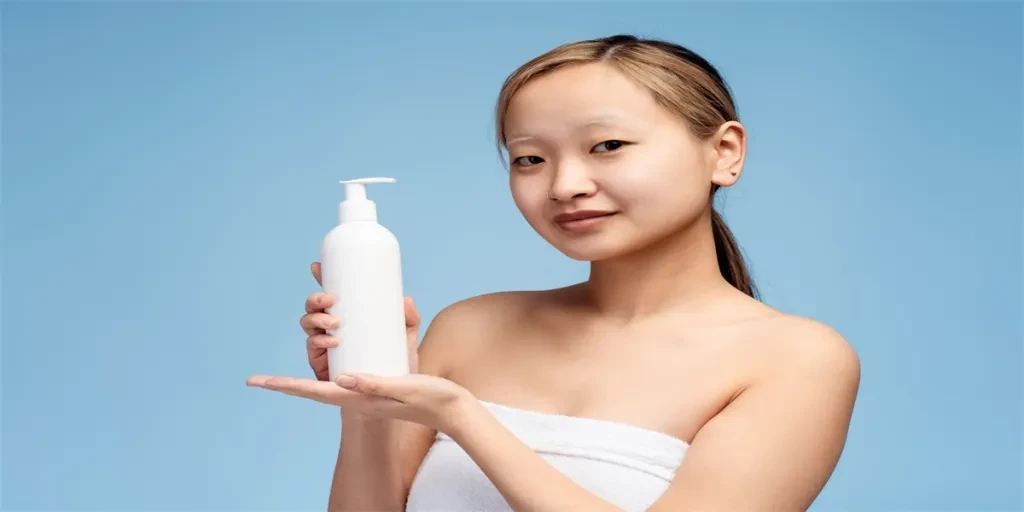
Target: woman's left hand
column 431, row 401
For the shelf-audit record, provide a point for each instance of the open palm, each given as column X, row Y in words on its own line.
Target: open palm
column 425, row 399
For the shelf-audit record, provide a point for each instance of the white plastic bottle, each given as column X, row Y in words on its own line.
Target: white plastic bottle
column 360, row 265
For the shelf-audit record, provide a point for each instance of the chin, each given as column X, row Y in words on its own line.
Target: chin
column 596, row 249
column 602, row 242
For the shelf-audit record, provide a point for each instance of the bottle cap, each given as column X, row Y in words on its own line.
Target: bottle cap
column 355, row 206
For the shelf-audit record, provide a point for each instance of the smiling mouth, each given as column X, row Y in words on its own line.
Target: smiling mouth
column 582, row 220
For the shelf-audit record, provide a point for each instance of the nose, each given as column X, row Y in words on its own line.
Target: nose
column 571, row 181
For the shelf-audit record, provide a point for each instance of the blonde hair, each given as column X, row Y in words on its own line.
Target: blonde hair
column 680, row 81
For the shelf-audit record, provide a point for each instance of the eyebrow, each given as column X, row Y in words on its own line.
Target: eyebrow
column 601, row 120
column 608, row 119
column 516, row 140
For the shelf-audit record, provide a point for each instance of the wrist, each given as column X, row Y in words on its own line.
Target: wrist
column 355, row 420
column 460, row 419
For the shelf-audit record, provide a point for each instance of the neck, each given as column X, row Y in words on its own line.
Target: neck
column 678, row 271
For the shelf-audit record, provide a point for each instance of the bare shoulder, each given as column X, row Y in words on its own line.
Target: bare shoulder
column 799, row 362
column 799, row 346
column 468, row 317
column 776, row 443
column 774, row 344
column 466, row 327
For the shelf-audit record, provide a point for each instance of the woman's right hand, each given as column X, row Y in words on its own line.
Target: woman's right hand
column 316, row 322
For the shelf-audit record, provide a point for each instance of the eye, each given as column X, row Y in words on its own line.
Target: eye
column 608, row 146
column 526, row 161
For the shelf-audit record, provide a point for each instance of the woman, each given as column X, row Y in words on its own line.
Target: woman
column 661, row 383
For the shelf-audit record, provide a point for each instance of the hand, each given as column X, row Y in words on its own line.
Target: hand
column 316, row 322
column 432, row 401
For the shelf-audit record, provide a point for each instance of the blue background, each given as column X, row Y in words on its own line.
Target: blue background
column 169, row 171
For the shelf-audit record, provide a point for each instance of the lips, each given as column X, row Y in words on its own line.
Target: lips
column 580, row 215
column 582, row 221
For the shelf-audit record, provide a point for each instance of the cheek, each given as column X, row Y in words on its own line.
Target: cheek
column 528, row 197
column 669, row 189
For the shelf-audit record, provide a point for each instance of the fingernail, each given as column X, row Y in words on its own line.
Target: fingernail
column 346, row 381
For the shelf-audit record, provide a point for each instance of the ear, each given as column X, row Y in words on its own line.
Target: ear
column 728, row 148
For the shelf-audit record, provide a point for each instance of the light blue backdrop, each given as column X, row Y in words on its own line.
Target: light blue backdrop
column 169, row 171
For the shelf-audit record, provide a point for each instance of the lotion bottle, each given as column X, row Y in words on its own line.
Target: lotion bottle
column 360, row 267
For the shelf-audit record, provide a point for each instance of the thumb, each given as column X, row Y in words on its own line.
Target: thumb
column 372, row 385
column 412, row 315
column 315, row 268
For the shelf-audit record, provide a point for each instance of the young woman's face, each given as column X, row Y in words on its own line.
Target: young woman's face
column 599, row 169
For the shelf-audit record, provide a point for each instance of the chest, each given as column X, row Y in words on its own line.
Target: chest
column 668, row 382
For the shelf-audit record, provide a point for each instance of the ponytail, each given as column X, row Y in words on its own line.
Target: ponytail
column 730, row 259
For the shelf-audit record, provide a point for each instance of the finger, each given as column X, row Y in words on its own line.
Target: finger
column 412, row 346
column 325, row 392
column 372, row 385
column 315, row 268
column 317, row 323
column 318, row 362
column 318, row 301
column 257, row 380
column 321, row 341
column 412, row 316
column 320, row 368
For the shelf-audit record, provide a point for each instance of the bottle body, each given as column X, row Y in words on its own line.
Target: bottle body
column 360, row 266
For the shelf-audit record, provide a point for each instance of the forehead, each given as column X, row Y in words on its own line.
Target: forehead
column 580, row 95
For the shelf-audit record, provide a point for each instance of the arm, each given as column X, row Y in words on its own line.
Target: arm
column 772, row 448
column 373, row 465
column 776, row 445
column 379, row 457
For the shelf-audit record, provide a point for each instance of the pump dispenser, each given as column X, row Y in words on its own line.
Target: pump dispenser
column 361, row 269
column 356, row 206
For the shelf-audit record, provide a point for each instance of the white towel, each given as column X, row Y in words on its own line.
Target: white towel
column 625, row 465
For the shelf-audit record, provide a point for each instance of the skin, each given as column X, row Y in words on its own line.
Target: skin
column 655, row 337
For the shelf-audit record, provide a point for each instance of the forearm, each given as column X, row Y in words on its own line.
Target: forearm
column 368, row 474
column 527, row 482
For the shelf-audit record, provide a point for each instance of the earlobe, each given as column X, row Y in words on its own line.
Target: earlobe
column 729, row 151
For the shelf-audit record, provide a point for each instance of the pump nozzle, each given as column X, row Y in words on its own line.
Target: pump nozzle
column 356, row 206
